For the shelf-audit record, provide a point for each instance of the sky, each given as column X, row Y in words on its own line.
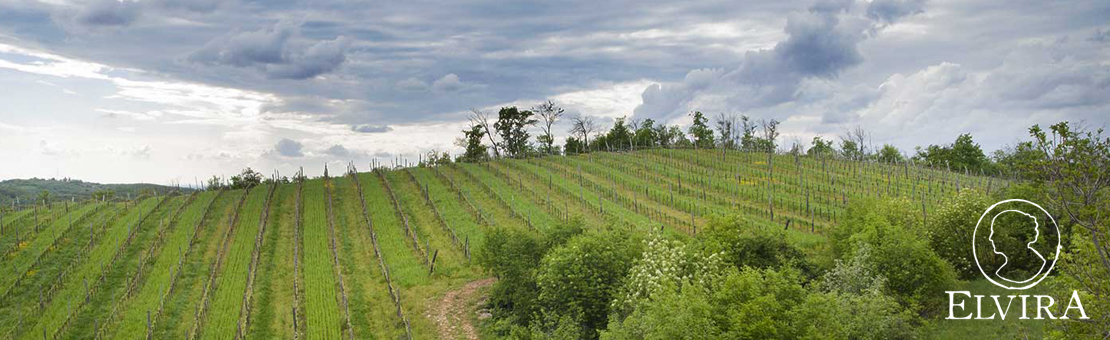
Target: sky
column 175, row 91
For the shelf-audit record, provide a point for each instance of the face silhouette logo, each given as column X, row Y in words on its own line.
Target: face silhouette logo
column 1012, row 242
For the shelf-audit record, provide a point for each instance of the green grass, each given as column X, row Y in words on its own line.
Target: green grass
column 132, row 323
column 50, row 319
column 321, row 296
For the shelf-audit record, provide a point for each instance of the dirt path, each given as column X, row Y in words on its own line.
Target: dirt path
column 451, row 313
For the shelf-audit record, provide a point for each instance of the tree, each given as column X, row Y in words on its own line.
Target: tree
column 103, row 195
column 768, row 139
column 617, row 137
column 747, row 134
column 853, row 143
column 574, row 145
column 820, row 146
column 550, row 114
column 44, row 197
column 1072, row 174
column 964, row 153
column 480, row 118
column 472, row 143
column 646, row 134
column 700, row 131
column 512, row 127
column 215, row 183
column 889, row 154
column 583, row 126
column 727, row 124
column 246, row 179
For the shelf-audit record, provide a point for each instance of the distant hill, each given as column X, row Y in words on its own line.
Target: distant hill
column 66, row 189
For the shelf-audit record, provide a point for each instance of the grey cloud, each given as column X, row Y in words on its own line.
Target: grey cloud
column 366, row 128
column 289, row 148
column 337, row 150
column 449, row 83
column 818, row 45
column 277, row 50
column 199, row 6
column 322, row 57
column 892, row 10
column 1100, row 36
column 412, row 85
column 821, row 43
column 109, row 13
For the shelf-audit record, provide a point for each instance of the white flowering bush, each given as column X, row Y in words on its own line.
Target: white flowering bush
column 665, row 264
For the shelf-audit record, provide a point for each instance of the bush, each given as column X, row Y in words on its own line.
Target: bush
column 762, row 304
column 665, row 264
column 950, row 230
column 512, row 256
column 580, row 278
column 916, row 276
column 758, row 247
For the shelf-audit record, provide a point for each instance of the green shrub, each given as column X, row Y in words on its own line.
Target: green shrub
column 580, row 278
column 950, row 229
column 758, row 247
column 916, row 276
column 763, row 304
column 512, row 255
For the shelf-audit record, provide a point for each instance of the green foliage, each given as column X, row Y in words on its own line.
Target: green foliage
column 1080, row 265
column 246, row 179
column 619, row 137
column 889, row 154
column 762, row 304
column 512, row 126
column 820, row 146
column 646, row 135
column 513, row 256
column 950, row 228
column 581, row 278
column 665, row 264
column 44, row 197
column 962, row 154
column 856, row 275
column 703, row 135
column 574, row 146
column 851, row 150
column 1071, row 171
column 472, row 142
column 752, row 247
column 916, row 276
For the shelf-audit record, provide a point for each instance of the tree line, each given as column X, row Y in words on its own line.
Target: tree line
column 508, row 135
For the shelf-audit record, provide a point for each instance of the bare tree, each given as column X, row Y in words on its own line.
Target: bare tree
column 550, row 114
column 770, row 132
column 861, row 138
column 728, row 127
column 480, row 118
column 583, row 126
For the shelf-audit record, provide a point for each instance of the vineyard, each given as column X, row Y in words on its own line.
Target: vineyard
column 362, row 255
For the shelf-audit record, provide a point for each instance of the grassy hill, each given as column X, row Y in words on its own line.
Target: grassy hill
column 28, row 190
column 367, row 254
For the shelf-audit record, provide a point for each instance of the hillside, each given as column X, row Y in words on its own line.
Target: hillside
column 28, row 190
column 370, row 254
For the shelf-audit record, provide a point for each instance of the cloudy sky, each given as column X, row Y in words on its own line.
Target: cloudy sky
column 172, row 90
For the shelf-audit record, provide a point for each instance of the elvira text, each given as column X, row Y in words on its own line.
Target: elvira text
column 1040, row 303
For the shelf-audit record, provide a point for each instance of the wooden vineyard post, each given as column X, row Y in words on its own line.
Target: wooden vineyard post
column 432, row 267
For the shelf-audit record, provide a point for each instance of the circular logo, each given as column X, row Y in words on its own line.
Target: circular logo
column 1016, row 236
